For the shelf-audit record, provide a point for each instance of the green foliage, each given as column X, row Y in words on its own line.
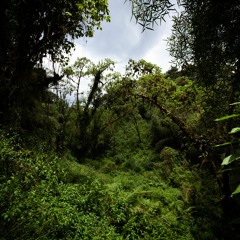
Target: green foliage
column 61, row 18
column 235, row 130
column 227, row 117
column 236, row 191
column 45, row 197
column 123, row 159
column 75, row 172
column 231, row 158
column 235, row 156
column 31, row 32
column 200, row 193
column 90, row 118
column 36, row 204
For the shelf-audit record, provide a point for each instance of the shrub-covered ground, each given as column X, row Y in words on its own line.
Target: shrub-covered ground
column 145, row 196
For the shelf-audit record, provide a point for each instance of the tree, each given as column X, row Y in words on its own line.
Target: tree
column 32, row 30
column 216, row 24
column 206, row 36
column 76, row 73
column 205, row 33
column 88, row 113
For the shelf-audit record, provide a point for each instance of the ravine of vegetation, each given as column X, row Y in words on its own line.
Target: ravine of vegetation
column 143, row 154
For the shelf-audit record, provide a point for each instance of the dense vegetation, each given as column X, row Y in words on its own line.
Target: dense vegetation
column 141, row 155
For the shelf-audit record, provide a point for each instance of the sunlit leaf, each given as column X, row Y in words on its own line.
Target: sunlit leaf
column 227, row 117
column 235, row 130
column 223, row 144
column 237, row 190
column 236, row 103
column 68, row 14
column 231, row 158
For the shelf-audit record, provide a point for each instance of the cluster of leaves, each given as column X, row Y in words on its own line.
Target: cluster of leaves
column 147, row 13
column 234, row 143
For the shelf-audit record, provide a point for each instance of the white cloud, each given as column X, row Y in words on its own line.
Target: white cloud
column 154, row 56
column 158, row 54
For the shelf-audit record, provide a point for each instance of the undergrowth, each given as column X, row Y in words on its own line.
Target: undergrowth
column 146, row 196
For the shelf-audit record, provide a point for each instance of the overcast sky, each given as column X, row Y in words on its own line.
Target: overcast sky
column 122, row 39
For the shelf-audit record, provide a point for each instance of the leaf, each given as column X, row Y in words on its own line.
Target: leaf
column 236, row 103
column 237, row 190
column 79, row 6
column 149, row 28
column 223, row 144
column 227, row 117
column 68, row 14
column 235, row 130
column 231, row 158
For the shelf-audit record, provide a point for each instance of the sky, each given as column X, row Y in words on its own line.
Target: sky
column 122, row 39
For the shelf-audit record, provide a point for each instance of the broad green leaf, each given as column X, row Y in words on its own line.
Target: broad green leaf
column 227, row 117
column 231, row 158
column 237, row 190
column 235, row 130
column 223, row 144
